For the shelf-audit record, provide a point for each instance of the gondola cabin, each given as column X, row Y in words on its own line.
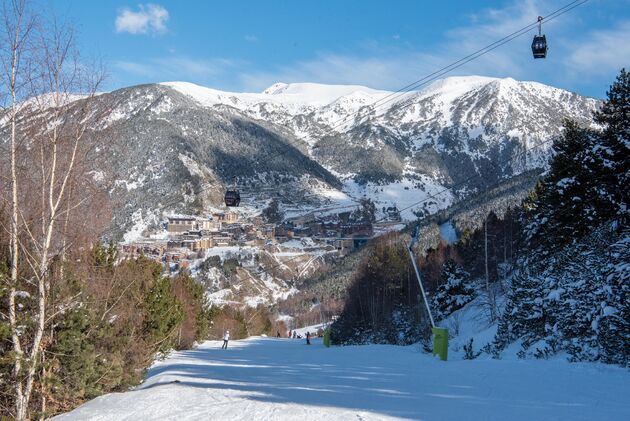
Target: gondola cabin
column 539, row 46
column 232, row 198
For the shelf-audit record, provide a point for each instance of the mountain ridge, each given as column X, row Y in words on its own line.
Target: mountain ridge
column 328, row 145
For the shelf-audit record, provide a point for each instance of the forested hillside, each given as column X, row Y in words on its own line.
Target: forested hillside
column 553, row 272
column 146, row 225
column 571, row 290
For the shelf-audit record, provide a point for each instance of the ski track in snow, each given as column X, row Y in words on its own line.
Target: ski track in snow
column 282, row 379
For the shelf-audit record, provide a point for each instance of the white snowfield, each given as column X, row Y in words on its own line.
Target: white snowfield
column 283, row 379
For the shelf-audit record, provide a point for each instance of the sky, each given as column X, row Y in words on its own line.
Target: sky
column 248, row 45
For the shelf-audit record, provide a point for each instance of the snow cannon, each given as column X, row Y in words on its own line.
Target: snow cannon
column 327, row 337
column 440, row 342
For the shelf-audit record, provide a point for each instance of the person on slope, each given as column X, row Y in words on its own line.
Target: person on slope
column 226, row 338
column 294, row 334
column 308, row 338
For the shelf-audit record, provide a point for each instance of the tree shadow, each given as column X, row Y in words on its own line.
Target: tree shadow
column 276, row 371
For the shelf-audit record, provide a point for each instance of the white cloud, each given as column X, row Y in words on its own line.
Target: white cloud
column 340, row 69
column 149, row 18
column 377, row 68
column 575, row 55
column 604, row 52
column 176, row 68
column 391, row 67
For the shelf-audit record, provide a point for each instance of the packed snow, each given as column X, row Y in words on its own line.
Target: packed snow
column 264, row 379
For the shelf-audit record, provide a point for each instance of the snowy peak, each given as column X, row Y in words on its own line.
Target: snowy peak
column 468, row 121
column 276, row 88
column 319, row 94
column 458, row 85
column 282, row 94
column 326, row 104
column 468, row 131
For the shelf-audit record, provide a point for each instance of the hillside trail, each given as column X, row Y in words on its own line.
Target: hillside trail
column 282, row 379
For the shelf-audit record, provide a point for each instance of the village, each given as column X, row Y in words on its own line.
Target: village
column 186, row 239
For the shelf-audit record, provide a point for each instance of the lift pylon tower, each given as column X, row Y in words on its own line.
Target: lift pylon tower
column 440, row 334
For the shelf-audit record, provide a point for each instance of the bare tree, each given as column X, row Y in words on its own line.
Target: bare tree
column 491, row 295
column 18, row 27
column 48, row 130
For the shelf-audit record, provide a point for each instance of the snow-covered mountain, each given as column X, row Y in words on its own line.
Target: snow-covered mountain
column 467, row 121
column 325, row 145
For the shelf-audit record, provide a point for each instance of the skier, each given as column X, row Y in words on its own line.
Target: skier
column 294, row 334
column 226, row 338
column 289, row 334
column 277, row 334
column 308, row 338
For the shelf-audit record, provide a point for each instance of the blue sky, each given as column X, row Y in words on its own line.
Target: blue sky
column 249, row 45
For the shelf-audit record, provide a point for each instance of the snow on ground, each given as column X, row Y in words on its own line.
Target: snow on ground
column 312, row 329
column 408, row 195
column 269, row 379
column 225, row 252
column 141, row 221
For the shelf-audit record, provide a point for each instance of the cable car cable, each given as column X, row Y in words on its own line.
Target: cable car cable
column 482, row 51
column 564, row 9
column 407, row 88
column 437, row 74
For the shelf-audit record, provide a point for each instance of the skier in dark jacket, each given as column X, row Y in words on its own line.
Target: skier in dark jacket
column 308, row 338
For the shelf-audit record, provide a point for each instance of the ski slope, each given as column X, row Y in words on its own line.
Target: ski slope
column 283, row 379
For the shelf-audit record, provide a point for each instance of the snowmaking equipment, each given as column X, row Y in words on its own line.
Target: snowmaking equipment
column 440, row 334
column 327, row 337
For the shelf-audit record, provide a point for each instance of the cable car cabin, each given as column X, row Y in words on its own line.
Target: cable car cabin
column 232, row 198
column 539, row 46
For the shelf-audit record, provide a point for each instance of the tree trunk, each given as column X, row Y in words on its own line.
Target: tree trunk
column 20, row 409
column 490, row 294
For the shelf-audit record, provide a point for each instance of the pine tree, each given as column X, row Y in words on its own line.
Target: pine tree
column 578, row 297
column 573, row 290
column 454, row 291
column 164, row 314
column 524, row 315
column 76, row 366
column 614, row 116
column 568, row 201
column 613, row 333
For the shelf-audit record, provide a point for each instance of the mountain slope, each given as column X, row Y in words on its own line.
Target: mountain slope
column 475, row 124
column 314, row 146
column 165, row 149
column 264, row 378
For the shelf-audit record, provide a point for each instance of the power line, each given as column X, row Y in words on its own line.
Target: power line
column 431, row 77
column 482, row 51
